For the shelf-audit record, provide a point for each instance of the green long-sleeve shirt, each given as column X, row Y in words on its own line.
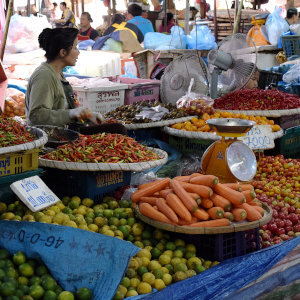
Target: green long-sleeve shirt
column 45, row 98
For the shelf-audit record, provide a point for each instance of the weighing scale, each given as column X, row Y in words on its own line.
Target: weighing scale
column 229, row 159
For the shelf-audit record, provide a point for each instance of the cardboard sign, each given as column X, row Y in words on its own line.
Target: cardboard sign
column 259, row 137
column 34, row 193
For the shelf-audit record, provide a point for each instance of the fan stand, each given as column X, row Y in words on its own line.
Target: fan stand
column 214, row 83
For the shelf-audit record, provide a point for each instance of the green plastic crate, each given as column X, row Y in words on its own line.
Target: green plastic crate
column 290, row 143
column 6, row 194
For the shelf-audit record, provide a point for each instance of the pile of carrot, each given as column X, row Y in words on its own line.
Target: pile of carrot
column 198, row 201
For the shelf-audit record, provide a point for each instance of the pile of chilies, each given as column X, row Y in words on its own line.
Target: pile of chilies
column 103, row 148
column 256, row 99
column 13, row 133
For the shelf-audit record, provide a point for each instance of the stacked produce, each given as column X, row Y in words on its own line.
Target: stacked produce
column 14, row 103
column 277, row 184
column 196, row 107
column 161, row 261
column 199, row 125
column 13, row 133
column 198, row 201
column 127, row 113
column 24, row 278
column 256, row 99
column 103, row 148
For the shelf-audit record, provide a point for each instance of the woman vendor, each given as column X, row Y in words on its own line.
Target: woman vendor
column 50, row 98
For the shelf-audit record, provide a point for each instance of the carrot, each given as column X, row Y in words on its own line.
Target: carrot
column 228, row 215
column 150, row 190
column 156, row 194
column 201, row 190
column 221, row 202
column 142, row 186
column 239, row 214
column 234, row 197
column 234, row 186
column 164, row 193
column 255, row 202
column 133, row 205
column 208, row 180
column 183, row 222
column 195, row 175
column 150, row 200
column 186, row 199
column 201, row 214
column 182, row 178
column 216, row 212
column 246, row 187
column 249, row 195
column 207, row 203
column 212, row 223
column 195, row 196
column 164, row 208
column 175, row 203
column 147, row 210
column 252, row 213
column 259, row 209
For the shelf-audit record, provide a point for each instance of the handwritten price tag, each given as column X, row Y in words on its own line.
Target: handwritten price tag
column 259, row 137
column 34, row 193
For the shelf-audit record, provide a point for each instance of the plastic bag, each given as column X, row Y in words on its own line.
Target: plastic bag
column 195, row 104
column 14, row 103
column 276, row 26
column 154, row 113
column 201, row 38
column 112, row 45
column 189, row 164
column 258, row 34
column 293, row 74
column 160, row 41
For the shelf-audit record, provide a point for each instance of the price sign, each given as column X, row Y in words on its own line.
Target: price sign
column 259, row 137
column 34, row 193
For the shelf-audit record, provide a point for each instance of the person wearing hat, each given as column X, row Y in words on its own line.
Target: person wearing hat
column 87, row 32
column 292, row 16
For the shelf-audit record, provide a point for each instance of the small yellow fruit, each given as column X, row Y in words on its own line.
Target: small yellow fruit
column 144, row 288
column 149, row 278
column 159, row 284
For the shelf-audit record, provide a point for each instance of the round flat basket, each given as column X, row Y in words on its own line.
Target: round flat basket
column 41, row 139
column 267, row 113
column 233, row 227
column 156, row 124
column 136, row 167
column 191, row 134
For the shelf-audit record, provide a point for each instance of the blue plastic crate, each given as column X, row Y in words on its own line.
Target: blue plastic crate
column 6, row 194
column 84, row 184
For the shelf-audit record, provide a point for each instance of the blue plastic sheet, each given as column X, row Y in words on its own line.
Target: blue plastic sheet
column 201, row 38
column 75, row 257
column 223, row 280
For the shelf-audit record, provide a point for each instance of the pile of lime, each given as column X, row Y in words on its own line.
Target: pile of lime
column 162, row 259
column 27, row 279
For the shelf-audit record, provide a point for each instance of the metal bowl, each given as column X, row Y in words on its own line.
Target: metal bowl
column 230, row 125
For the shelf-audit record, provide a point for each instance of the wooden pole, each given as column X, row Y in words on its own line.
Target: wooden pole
column 187, row 17
column 82, row 6
column 215, row 20
column 8, row 16
column 114, row 7
column 238, row 17
column 28, row 8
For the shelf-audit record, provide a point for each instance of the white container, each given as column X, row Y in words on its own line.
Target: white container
column 101, row 99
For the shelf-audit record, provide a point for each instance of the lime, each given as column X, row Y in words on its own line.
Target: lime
column 84, row 294
column 23, row 280
column 118, row 295
column 175, row 261
column 14, row 297
column 32, row 262
column 36, row 291
column 215, row 263
column 125, row 203
column 133, row 264
column 130, row 238
column 154, row 264
column 142, row 270
column 125, row 282
column 58, row 290
column 207, row 264
column 19, row 258
column 190, row 273
column 113, row 204
column 158, row 273
column 137, row 229
column 49, row 283
column 169, row 253
column 146, row 235
column 7, row 288
column 199, row 269
column 130, row 273
column 158, row 234
column 131, row 293
column 155, row 252
column 76, row 199
column 66, row 200
column 131, row 221
column 144, row 253
column 89, row 220
column 122, row 289
column 26, row 269
column 108, row 213
column 189, row 254
column 167, row 278
column 93, row 227
column 146, row 243
column 164, row 259
column 49, row 295
column 145, row 261
column 88, row 202
column 181, row 248
column 190, row 248
column 179, row 242
column 144, row 288
column 178, row 253
column 35, row 280
column 3, row 207
column 73, row 204
column 170, row 246
column 27, row 297
column 12, row 272
column 178, row 276
column 139, row 244
column 24, row 288
column 165, row 270
column 67, row 210
column 114, row 221
column 99, row 221
column 159, row 284
column 65, row 295
column 2, row 274
column 4, row 254
column 134, row 282
column 193, row 262
column 19, row 293
column 180, row 267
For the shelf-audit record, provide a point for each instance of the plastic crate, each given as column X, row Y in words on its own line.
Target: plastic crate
column 224, row 246
column 19, row 162
column 286, row 122
column 101, row 99
column 291, row 45
column 290, row 143
column 6, row 194
column 85, row 184
column 140, row 90
column 267, row 78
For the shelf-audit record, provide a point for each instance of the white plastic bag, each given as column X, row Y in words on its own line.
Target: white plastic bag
column 201, row 38
column 293, row 74
column 276, row 26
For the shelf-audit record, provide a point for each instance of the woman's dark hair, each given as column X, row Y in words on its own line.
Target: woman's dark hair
column 63, row 4
column 135, row 10
column 54, row 4
column 88, row 16
column 53, row 40
column 117, row 19
column 169, row 18
column 291, row 12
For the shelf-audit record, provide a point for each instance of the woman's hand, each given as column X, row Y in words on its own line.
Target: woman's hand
column 96, row 118
column 80, row 113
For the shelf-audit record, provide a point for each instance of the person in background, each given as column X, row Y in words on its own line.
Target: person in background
column 292, row 16
column 67, row 19
column 253, row 82
column 87, row 32
column 118, row 22
column 53, row 11
column 50, row 98
column 134, row 16
column 170, row 23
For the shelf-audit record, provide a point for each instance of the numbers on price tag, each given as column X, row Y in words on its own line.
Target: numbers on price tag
column 34, row 193
column 259, row 137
